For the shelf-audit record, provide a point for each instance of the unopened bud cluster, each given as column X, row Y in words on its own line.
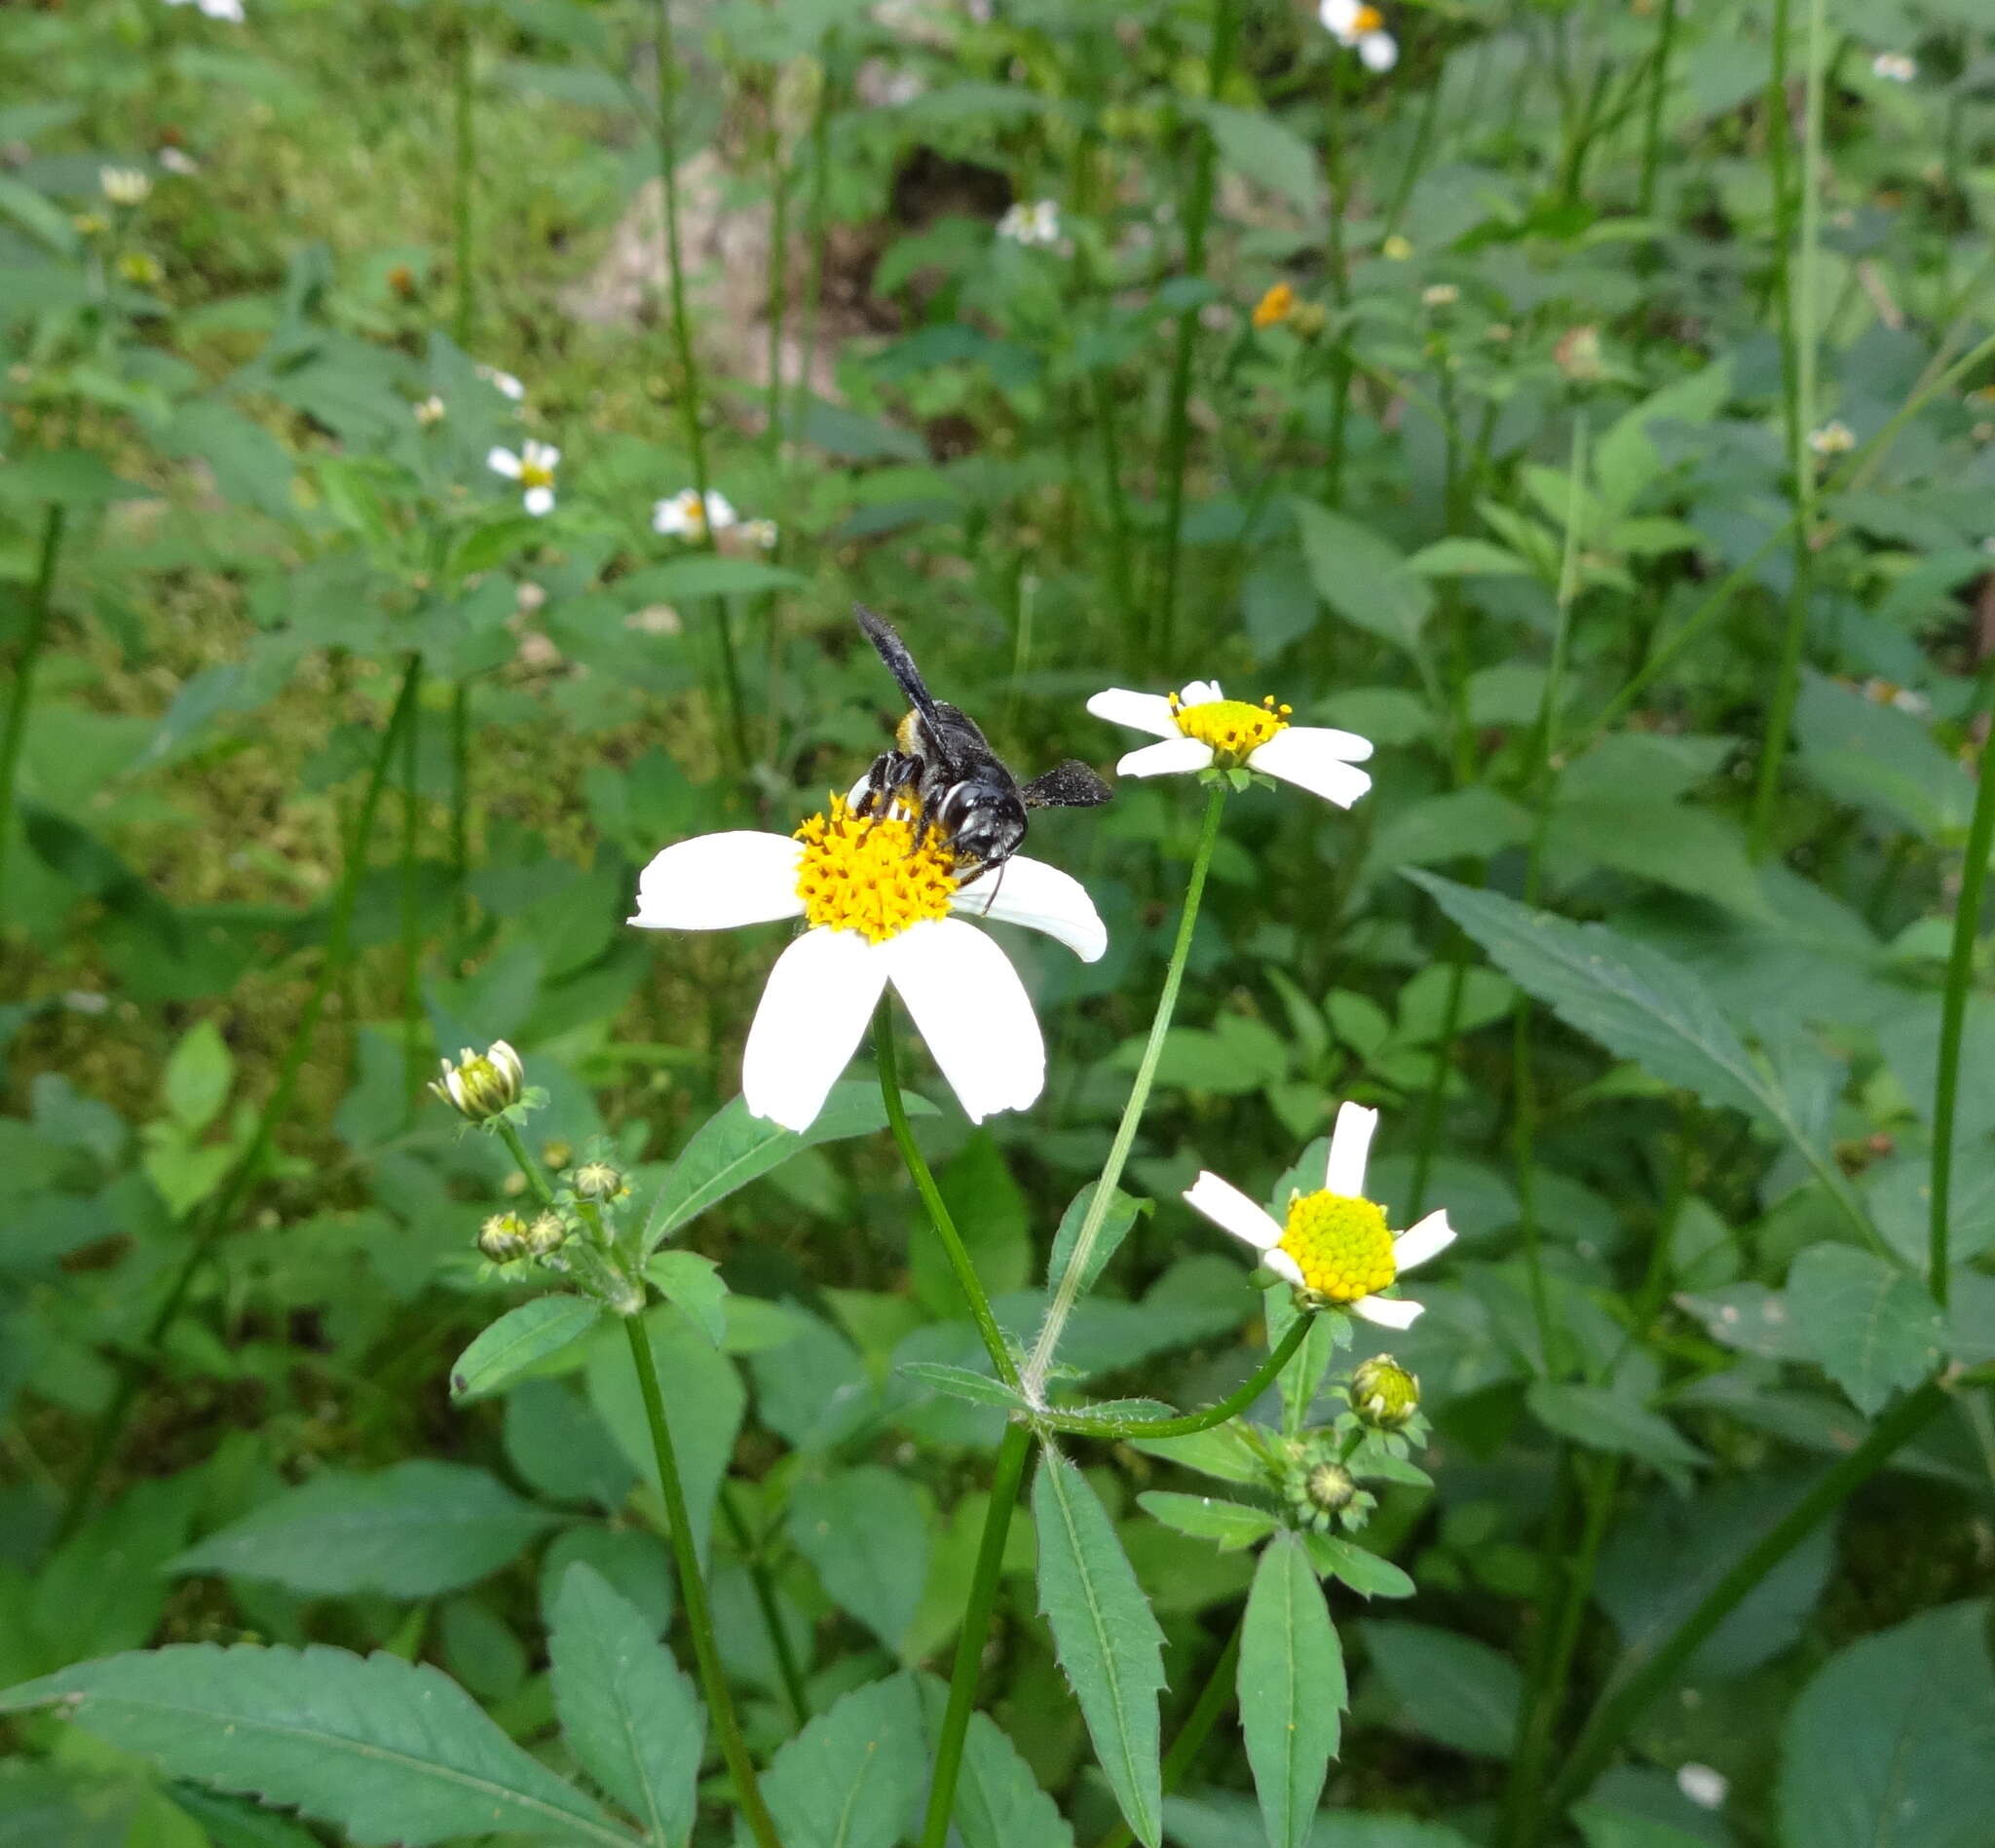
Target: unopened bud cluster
column 1318, row 1486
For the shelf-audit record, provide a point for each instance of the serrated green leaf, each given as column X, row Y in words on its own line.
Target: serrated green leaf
column 1875, row 1330
column 1123, row 1214
column 626, row 1710
column 1292, row 1690
column 693, row 1281
column 1108, row 1641
column 866, row 1532
column 386, row 1750
column 1209, row 1518
column 852, row 1776
column 1219, row 1451
column 999, row 1803
column 963, row 1382
column 1605, row 1419
column 518, row 1340
column 1450, row 1687
column 1363, row 576
column 1262, row 149
column 1363, row 1570
column 411, row 1530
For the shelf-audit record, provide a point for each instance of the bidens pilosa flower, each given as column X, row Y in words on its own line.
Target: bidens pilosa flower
column 1275, row 307
column 877, row 896
column 1333, row 1245
column 534, row 469
column 1203, row 730
column 1037, row 223
column 482, row 1086
column 1360, row 28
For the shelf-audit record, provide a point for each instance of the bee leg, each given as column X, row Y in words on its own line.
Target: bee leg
column 991, row 899
column 889, row 773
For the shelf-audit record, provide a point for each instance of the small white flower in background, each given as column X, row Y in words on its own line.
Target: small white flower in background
column 124, row 185
column 1441, row 295
column 681, row 516
column 1360, row 28
column 1895, row 67
column 1888, row 693
column 503, row 382
column 1834, row 439
column 534, row 469
column 229, row 10
column 1334, row 1244
column 761, row 534
column 1704, row 1787
column 178, row 161
column 1202, row 730
column 877, row 898
column 1037, row 223
column 429, row 413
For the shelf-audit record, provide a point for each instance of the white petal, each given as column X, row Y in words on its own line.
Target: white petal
column 1222, row 1202
column 1389, row 1311
column 970, row 1006
column 1339, row 16
column 1174, row 754
column 1349, row 1144
column 1199, row 693
column 1309, row 756
column 539, row 502
column 1027, row 891
column 1429, row 1238
column 1378, row 50
column 504, row 462
column 720, row 512
column 1284, row 1267
column 667, row 520
column 715, row 881
column 820, row 996
column 1141, row 711
column 545, row 454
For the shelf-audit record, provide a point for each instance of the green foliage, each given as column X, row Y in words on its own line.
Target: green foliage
column 1292, row 1690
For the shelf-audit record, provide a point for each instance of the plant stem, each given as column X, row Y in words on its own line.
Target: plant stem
column 1657, row 88
column 1959, row 971
column 976, row 1626
column 1339, row 287
column 1196, row 1729
column 411, row 911
column 818, row 227
column 779, row 275
column 714, row 1680
column 24, row 673
column 466, row 175
column 1081, row 1425
column 1069, row 1287
column 1178, row 418
column 214, row 1219
column 1640, row 1679
column 931, row 1196
column 460, row 813
column 759, row 1580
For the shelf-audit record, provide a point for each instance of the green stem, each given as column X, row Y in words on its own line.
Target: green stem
column 214, row 1219
column 1959, row 970
column 976, row 1626
column 1339, row 287
column 764, row 1587
column 1416, row 158
column 1068, row 1290
column 1641, row 1678
column 779, row 279
column 818, row 228
column 24, row 673
column 459, row 811
column 1084, row 1424
column 714, row 1680
column 412, row 1056
column 1657, row 88
column 1178, row 419
column 1196, row 1729
column 466, row 175
column 916, row 1165
column 528, row 1167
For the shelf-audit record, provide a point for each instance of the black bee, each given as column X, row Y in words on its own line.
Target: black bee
column 946, row 768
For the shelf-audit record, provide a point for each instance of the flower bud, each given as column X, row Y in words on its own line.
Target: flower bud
column 503, row 1237
column 546, row 1235
column 1307, row 319
column 1329, row 1487
column 482, row 1086
column 598, row 1181
column 1383, row 1394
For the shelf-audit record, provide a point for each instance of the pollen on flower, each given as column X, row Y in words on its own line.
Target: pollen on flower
column 875, row 875
column 1232, row 728
column 1341, row 1244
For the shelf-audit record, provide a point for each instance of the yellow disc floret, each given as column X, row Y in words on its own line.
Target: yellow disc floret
column 1234, row 729
column 1367, row 20
column 871, row 874
column 1341, row 1244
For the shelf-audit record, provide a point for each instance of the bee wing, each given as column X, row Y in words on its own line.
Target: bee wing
column 899, row 662
column 1068, row 786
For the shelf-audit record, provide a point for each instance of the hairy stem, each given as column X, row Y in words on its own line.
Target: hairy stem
column 1084, row 1424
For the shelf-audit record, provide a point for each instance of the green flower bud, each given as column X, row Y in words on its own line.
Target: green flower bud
column 482, row 1086
column 598, row 1181
column 1329, row 1487
column 546, row 1234
column 503, row 1237
column 1383, row 1394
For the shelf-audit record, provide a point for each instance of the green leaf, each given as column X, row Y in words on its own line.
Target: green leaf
column 1605, row 1419
column 705, row 575
column 1292, row 1690
column 731, row 1149
column 853, row 1775
column 198, row 1077
column 866, row 1532
column 1262, row 149
column 1363, row 576
column 1123, row 1214
column 1688, row 849
column 1108, row 1641
column 1209, row 1518
column 411, row 1530
column 626, row 1710
column 1219, row 1450
column 963, row 1382
column 693, row 1281
column 518, row 1340
column 1452, row 1689
column 989, row 1214
column 999, row 1803
column 1469, row 558
column 385, row 1751
column 1892, row 1744
column 1873, row 1329
column 1358, row 1566
column 63, row 478
column 560, row 1449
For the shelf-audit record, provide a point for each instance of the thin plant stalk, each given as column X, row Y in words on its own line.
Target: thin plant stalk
column 1196, row 1729
column 816, row 220
column 29, row 657
column 1083, row 1423
column 1416, row 158
column 1068, row 1290
column 459, row 809
column 214, row 1219
column 976, row 1626
column 1959, row 970
column 1658, row 90
column 463, row 145
column 1177, row 413
column 779, row 275
column 412, row 1055
column 787, row 1666
column 1339, row 287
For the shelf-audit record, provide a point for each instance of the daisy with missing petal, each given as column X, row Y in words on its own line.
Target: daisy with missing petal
column 681, row 515
column 877, row 898
column 1360, row 28
column 534, row 469
column 1335, row 1246
column 1203, row 730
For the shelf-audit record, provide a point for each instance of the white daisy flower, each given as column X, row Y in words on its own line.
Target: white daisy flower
column 124, row 185
column 430, row 412
column 1201, row 727
column 1037, row 223
column 534, row 469
column 681, row 515
column 1834, row 439
column 1334, row 1245
column 1360, row 28
column 1704, row 1787
column 230, row 10
column 503, row 383
column 761, row 534
column 178, row 161
column 1895, row 67
column 878, row 900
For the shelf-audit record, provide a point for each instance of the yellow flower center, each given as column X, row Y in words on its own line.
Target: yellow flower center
column 1341, row 1244
column 876, row 875
column 536, row 475
column 1234, row 729
column 1367, row 20
column 1275, row 307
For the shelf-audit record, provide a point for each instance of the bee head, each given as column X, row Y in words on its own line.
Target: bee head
column 986, row 822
